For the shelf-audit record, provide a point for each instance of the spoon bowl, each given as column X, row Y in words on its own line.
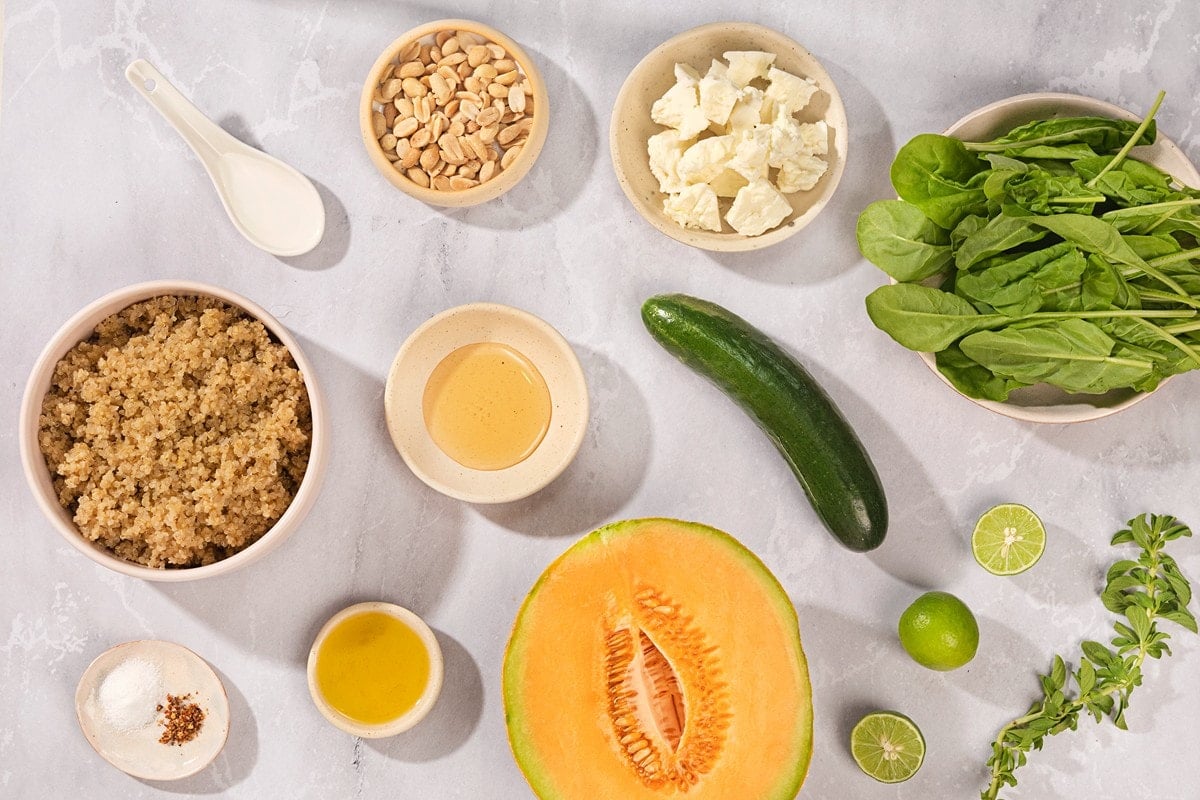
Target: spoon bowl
column 269, row 202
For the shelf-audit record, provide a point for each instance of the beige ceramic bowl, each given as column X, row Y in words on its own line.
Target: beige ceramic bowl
column 537, row 341
column 631, row 127
column 1042, row 402
column 139, row 752
column 80, row 327
column 502, row 182
column 424, row 703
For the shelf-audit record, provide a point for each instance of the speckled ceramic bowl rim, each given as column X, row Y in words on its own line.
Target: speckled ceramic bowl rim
column 424, row 703
column 78, row 328
column 87, row 681
column 732, row 242
column 484, row 191
column 1077, row 412
column 568, row 395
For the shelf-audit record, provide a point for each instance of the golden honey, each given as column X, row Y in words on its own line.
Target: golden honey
column 372, row 667
column 487, row 406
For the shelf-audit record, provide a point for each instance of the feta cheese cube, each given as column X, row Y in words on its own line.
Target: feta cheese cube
column 728, row 183
column 685, row 75
column 751, row 158
column 815, row 136
column 717, row 97
column 717, row 69
column 757, row 208
column 788, row 89
column 705, row 160
column 746, row 112
column 746, row 65
column 800, row 173
column 694, row 207
column 670, row 109
column 666, row 149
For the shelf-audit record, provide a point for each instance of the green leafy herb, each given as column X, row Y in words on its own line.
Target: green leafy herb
column 902, row 241
column 1143, row 592
column 1061, row 257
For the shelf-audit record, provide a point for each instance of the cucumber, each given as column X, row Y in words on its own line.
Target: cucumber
column 824, row 453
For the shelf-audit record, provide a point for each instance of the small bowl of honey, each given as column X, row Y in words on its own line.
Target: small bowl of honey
column 375, row 670
column 486, row 403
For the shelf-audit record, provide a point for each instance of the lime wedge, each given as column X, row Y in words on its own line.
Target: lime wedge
column 887, row 746
column 1008, row 539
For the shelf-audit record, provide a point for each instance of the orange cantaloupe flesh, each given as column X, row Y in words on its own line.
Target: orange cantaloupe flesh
column 739, row 666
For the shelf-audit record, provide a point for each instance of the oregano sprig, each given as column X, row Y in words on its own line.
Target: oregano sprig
column 1143, row 592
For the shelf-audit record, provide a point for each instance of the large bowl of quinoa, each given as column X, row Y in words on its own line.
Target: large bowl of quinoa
column 173, row 430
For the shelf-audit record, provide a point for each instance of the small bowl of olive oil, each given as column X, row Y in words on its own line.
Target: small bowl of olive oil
column 486, row 403
column 375, row 670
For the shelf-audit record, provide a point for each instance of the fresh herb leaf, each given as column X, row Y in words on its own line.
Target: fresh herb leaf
column 901, row 241
column 1145, row 591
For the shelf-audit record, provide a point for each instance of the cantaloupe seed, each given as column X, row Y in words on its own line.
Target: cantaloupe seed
column 663, row 741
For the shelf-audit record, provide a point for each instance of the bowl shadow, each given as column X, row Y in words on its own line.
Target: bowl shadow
column 235, row 761
column 607, row 471
column 453, row 718
column 829, row 245
column 561, row 172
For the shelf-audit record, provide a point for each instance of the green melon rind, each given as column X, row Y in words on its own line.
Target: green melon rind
column 534, row 772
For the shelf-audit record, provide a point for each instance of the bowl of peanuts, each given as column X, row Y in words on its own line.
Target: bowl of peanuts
column 454, row 113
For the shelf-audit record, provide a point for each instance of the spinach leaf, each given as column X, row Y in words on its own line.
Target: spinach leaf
column 972, row 378
column 968, row 225
column 1099, row 133
column 1148, row 218
column 1093, row 235
column 1063, row 152
column 1074, row 354
column 896, row 237
column 1005, row 163
column 937, row 175
column 926, row 319
column 1148, row 247
column 1021, row 286
column 1000, row 234
column 1041, row 192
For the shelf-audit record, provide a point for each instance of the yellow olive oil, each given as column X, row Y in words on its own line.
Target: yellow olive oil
column 487, row 406
column 372, row 667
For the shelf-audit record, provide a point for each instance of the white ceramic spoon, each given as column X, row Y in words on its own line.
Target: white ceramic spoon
column 268, row 201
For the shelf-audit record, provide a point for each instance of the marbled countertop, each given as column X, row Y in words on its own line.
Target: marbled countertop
column 96, row 192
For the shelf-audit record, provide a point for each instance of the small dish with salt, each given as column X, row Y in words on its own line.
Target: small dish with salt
column 121, row 699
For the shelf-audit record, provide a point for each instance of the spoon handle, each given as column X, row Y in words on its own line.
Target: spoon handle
column 205, row 138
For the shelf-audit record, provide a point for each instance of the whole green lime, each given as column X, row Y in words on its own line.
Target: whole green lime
column 939, row 631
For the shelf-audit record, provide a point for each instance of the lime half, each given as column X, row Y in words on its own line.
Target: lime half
column 887, row 746
column 1008, row 539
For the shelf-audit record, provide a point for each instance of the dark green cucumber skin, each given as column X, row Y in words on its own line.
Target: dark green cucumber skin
column 814, row 438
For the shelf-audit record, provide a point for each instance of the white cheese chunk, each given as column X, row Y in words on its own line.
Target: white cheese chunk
column 752, row 155
column 746, row 112
column 670, row 109
column 746, row 65
column 705, row 160
column 757, row 208
column 717, row 97
column 815, row 136
column 666, row 149
column 685, row 75
column 800, row 173
column 728, row 183
column 717, row 69
column 788, row 89
column 694, row 207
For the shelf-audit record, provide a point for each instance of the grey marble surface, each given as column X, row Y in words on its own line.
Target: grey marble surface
column 96, row 193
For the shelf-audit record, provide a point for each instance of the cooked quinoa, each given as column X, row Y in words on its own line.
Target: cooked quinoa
column 178, row 433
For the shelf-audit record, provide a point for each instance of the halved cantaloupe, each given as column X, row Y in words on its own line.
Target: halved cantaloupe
column 658, row 659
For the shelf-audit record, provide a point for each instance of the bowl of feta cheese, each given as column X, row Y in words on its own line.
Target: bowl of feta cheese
column 729, row 137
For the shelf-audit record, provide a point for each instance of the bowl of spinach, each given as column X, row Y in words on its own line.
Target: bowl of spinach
column 1044, row 256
